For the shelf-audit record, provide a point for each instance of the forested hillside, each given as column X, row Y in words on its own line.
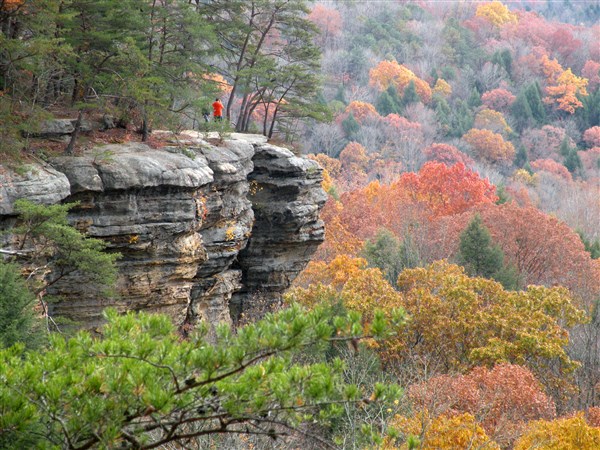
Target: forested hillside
column 454, row 302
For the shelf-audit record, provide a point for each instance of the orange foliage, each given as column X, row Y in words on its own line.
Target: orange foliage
column 388, row 73
column 10, row 5
column 361, row 111
column 496, row 13
column 221, row 83
column 338, row 239
column 328, row 20
column 563, row 86
column 448, row 190
column 502, row 399
column 489, row 145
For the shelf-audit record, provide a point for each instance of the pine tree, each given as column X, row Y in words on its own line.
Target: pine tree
column 480, row 257
column 410, row 95
column 350, row 127
column 521, row 156
column 572, row 162
column 533, row 92
column 385, row 105
column 475, row 98
column 521, row 111
column 16, row 307
column 461, row 120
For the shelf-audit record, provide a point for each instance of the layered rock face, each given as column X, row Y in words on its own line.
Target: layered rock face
column 195, row 226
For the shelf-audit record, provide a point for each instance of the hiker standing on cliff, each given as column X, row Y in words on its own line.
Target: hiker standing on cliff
column 218, row 110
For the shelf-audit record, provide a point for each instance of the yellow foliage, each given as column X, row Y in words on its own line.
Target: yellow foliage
column 497, row 13
column 443, row 432
column 442, row 87
column 560, row 434
column 525, row 177
column 489, row 119
column 492, row 325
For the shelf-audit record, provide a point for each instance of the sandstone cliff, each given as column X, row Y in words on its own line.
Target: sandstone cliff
column 200, row 227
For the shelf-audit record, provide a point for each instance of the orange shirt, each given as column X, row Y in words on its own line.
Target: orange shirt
column 218, row 108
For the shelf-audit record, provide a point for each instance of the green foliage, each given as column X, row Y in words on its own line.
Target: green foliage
column 474, row 100
column 16, row 314
column 461, row 119
column 480, row 257
column 504, row 59
column 593, row 247
column 410, row 95
column 534, row 95
column 46, row 236
column 387, row 253
column 521, row 156
column 503, row 196
column 589, row 115
column 388, row 102
column 350, row 127
column 138, row 384
column 521, row 111
column 572, row 161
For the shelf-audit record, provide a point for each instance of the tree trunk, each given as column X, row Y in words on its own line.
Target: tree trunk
column 71, row 146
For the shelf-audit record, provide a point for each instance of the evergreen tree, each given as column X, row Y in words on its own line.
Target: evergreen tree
column 521, row 111
column 461, row 120
column 340, row 95
column 592, row 247
column 410, row 95
column 16, row 307
column 384, row 252
column 475, row 98
column 565, row 148
column 521, row 156
column 393, row 93
column 572, row 162
column 137, row 384
column 534, row 95
column 350, row 127
column 503, row 58
column 385, row 105
column 589, row 114
column 503, row 196
column 480, row 257
column 443, row 114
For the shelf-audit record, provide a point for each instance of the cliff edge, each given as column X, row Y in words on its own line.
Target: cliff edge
column 201, row 228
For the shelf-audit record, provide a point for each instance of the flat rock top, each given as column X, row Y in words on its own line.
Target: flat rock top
column 133, row 165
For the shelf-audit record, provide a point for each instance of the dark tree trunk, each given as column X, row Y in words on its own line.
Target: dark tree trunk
column 71, row 146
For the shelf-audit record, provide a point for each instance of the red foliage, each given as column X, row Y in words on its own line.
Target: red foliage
column 591, row 71
column 543, row 143
column 592, row 137
column 544, row 249
column 502, row 399
column 551, row 166
column 590, row 159
column 447, row 154
column 328, row 20
column 498, row 99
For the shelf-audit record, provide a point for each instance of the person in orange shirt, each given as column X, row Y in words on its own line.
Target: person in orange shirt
column 218, row 109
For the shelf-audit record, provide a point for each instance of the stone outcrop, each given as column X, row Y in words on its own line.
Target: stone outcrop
column 199, row 227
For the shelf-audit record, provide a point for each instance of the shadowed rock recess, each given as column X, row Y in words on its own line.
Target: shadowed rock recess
column 200, row 229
